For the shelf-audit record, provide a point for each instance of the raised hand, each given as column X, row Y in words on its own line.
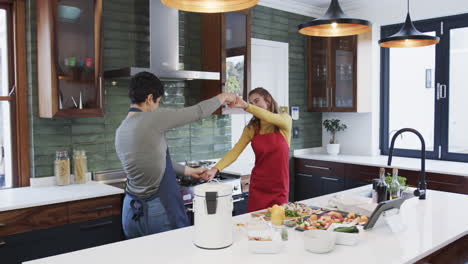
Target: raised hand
column 209, row 174
column 238, row 103
column 226, row 98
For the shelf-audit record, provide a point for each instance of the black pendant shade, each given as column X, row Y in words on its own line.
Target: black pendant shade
column 335, row 23
column 408, row 37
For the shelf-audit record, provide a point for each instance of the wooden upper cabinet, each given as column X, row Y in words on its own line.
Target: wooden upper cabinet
column 332, row 74
column 69, row 58
column 226, row 49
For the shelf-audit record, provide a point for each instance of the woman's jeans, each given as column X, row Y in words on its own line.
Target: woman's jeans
column 154, row 219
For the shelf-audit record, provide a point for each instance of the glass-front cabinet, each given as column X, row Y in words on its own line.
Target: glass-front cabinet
column 331, row 74
column 226, row 49
column 69, row 58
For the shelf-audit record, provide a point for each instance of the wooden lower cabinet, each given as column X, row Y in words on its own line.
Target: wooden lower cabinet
column 315, row 178
column 43, row 231
column 454, row 253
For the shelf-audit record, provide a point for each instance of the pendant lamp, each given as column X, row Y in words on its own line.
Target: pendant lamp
column 408, row 37
column 210, row 6
column 335, row 23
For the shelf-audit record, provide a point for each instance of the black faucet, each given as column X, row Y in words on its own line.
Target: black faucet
column 422, row 186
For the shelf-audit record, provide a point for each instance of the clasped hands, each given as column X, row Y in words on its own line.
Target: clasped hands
column 234, row 101
column 201, row 173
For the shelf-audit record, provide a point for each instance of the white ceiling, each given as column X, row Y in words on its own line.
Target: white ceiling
column 314, row 8
column 326, row 3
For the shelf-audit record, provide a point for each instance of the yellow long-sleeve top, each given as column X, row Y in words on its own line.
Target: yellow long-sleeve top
column 268, row 122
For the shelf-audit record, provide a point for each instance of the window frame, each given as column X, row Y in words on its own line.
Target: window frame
column 18, row 99
column 441, row 76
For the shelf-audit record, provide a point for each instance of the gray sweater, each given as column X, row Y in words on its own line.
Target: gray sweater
column 141, row 145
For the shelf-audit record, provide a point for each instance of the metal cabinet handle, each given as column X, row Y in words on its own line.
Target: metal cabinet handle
column 87, row 227
column 2, row 225
column 438, row 92
column 305, row 175
column 238, row 200
column 97, row 209
column 330, row 179
column 2, row 243
column 443, row 91
column 316, row 167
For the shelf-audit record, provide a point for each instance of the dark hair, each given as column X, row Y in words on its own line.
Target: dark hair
column 144, row 84
column 272, row 106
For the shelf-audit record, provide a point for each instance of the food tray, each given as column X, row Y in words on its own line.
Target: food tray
column 357, row 220
column 316, row 210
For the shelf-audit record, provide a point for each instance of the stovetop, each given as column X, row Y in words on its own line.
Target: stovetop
column 186, row 188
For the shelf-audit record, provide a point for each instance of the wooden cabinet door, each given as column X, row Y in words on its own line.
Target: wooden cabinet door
column 318, row 74
column 96, row 208
column 331, row 185
column 307, row 186
column 331, row 74
column 69, row 58
column 95, row 233
column 344, row 73
column 29, row 219
column 226, row 49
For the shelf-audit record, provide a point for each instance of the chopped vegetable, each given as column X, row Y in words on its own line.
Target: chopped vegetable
column 351, row 229
column 291, row 213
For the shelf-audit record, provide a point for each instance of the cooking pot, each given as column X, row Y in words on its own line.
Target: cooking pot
column 199, row 163
column 212, row 207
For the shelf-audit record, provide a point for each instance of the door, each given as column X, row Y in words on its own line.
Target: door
column 424, row 88
column 270, row 70
column 307, row 186
column 319, row 79
column 331, row 185
column 411, row 95
column 344, row 92
column 453, row 92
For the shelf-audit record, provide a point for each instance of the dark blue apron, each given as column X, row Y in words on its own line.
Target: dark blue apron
column 169, row 194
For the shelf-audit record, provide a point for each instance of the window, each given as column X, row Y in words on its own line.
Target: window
column 423, row 88
column 5, row 99
column 14, row 153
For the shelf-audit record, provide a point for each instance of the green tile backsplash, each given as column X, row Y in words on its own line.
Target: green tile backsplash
column 126, row 43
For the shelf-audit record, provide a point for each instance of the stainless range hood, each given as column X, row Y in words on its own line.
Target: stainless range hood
column 164, row 49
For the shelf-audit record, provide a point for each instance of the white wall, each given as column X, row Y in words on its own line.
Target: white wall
column 362, row 137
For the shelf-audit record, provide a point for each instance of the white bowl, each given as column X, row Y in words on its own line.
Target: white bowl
column 265, row 247
column 319, row 241
column 347, row 239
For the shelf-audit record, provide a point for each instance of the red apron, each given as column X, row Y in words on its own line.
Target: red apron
column 269, row 181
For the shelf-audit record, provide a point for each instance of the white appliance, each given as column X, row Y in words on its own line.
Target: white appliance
column 212, row 207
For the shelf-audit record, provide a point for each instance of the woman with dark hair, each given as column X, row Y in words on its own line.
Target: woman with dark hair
column 269, row 132
column 153, row 202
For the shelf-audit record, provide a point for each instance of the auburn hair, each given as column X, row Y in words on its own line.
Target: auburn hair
column 271, row 104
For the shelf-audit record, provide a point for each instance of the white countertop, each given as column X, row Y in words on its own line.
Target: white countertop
column 17, row 198
column 430, row 224
column 435, row 166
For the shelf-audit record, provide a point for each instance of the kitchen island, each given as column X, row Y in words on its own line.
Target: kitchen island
column 430, row 225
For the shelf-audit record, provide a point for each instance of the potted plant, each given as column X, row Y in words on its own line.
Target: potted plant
column 333, row 126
